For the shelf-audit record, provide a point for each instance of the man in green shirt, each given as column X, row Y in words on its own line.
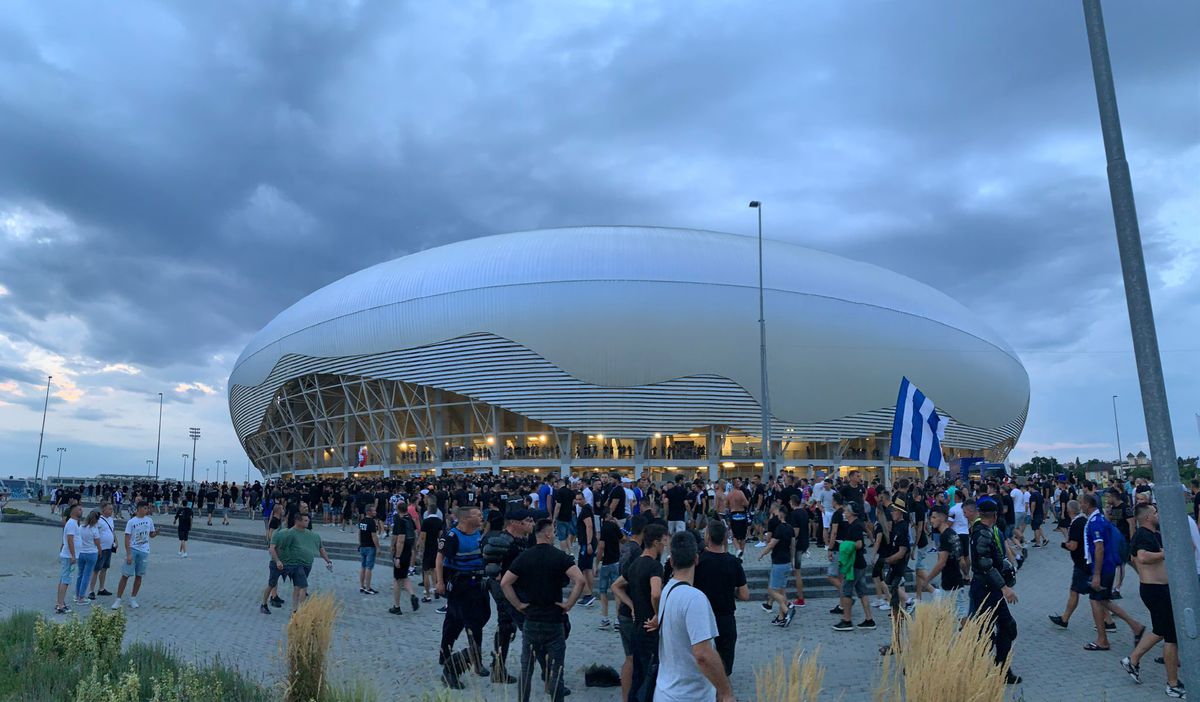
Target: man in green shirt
column 294, row 551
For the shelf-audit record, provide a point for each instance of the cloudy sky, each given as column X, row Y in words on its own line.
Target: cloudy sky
column 172, row 175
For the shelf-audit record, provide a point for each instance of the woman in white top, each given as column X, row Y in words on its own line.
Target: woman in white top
column 66, row 557
column 87, row 552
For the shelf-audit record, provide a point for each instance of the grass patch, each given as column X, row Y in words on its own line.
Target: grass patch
column 14, row 512
column 63, row 662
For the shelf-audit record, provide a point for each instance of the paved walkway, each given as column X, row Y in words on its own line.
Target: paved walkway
column 206, row 606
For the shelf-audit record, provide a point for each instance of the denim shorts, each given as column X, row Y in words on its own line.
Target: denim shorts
column 564, row 529
column 65, row 566
column 856, row 587
column 138, row 567
column 607, row 576
column 104, row 560
column 367, row 554
column 780, row 572
column 273, row 574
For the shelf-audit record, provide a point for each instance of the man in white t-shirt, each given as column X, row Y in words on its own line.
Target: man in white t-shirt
column 1020, row 500
column 67, row 556
column 689, row 668
column 138, row 532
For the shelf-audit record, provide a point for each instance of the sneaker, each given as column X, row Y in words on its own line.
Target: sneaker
column 605, row 624
column 372, row 591
column 442, row 609
column 437, row 596
column 843, row 626
column 426, row 599
column 867, row 624
column 116, row 603
column 799, row 602
column 82, row 602
column 741, row 554
column 587, row 601
column 363, row 590
column 395, row 610
column 91, row 595
column 1108, row 626
column 185, row 554
column 133, row 603
column 264, row 609
column 766, row 606
column 836, row 610
column 1116, row 595
column 104, row 593
column 62, row 609
column 760, row 544
column 790, row 615
column 911, row 601
column 416, row 603
column 1134, row 671
column 884, row 607
column 276, row 601
column 1058, row 621
column 1176, row 691
column 778, row 621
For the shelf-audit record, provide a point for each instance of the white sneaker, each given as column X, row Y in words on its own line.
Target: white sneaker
column 116, row 603
column 185, row 554
column 133, row 603
column 885, row 607
column 760, row 544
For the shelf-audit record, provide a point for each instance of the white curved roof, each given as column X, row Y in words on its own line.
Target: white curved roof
column 631, row 306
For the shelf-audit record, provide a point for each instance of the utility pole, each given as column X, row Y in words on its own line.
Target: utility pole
column 1117, row 424
column 183, row 476
column 158, row 447
column 42, row 434
column 1177, row 542
column 768, row 468
column 194, row 433
column 61, row 451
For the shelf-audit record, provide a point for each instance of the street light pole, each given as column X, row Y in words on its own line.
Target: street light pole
column 768, row 468
column 42, row 434
column 224, row 470
column 183, row 476
column 1177, row 543
column 194, row 432
column 158, row 447
column 148, row 464
column 1117, row 424
column 61, row 451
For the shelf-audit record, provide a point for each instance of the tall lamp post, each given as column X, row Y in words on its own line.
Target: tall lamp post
column 158, row 446
column 1181, row 573
column 183, row 477
column 42, row 434
column 768, row 468
column 194, row 433
column 46, row 465
column 61, row 451
column 224, row 470
column 1117, row 424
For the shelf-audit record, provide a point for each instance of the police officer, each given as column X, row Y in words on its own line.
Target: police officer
column 459, row 577
column 501, row 546
column 992, row 578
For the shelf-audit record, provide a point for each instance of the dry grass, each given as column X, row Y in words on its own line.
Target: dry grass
column 309, row 634
column 929, row 644
column 795, row 682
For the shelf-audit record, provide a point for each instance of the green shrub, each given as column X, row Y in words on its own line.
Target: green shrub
column 104, row 688
column 96, row 639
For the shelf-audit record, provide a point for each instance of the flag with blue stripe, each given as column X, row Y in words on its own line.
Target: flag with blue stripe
column 918, row 429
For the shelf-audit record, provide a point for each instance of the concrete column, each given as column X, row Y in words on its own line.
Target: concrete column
column 713, row 452
column 565, row 440
column 639, row 458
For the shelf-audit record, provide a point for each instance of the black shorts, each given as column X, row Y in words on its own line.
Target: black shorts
column 298, row 573
column 1157, row 599
column 104, row 560
column 739, row 526
column 183, row 534
column 1081, row 579
column 1106, row 583
column 210, row 508
column 400, row 568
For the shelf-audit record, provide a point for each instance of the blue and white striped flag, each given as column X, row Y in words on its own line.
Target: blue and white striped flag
column 918, row 429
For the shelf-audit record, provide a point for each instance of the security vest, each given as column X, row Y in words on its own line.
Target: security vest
column 469, row 558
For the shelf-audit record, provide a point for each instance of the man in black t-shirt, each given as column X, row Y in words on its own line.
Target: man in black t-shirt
column 797, row 517
column 677, row 506
column 614, row 497
column 639, row 589
column 533, row 585
column 950, row 562
column 608, row 552
column 719, row 575
column 368, row 547
column 564, row 517
column 851, row 531
column 900, row 548
column 779, row 546
column 1081, row 572
column 585, row 529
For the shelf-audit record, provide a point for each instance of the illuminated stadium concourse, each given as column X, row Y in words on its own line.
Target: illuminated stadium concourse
column 632, row 349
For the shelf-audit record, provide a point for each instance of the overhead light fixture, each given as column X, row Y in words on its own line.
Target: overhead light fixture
column 600, row 437
column 491, row 439
column 657, row 435
column 672, row 467
column 729, row 464
column 694, row 435
column 542, row 438
column 758, row 465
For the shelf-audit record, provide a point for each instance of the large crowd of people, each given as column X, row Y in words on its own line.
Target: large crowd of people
column 668, row 556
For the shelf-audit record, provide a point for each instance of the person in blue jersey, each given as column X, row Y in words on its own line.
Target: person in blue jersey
column 461, row 579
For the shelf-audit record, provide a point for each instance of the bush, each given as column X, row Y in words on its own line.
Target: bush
column 96, row 639
column 309, row 634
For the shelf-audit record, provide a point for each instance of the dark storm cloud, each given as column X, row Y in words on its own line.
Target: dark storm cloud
column 200, row 166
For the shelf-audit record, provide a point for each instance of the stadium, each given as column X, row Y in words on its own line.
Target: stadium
column 629, row 349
